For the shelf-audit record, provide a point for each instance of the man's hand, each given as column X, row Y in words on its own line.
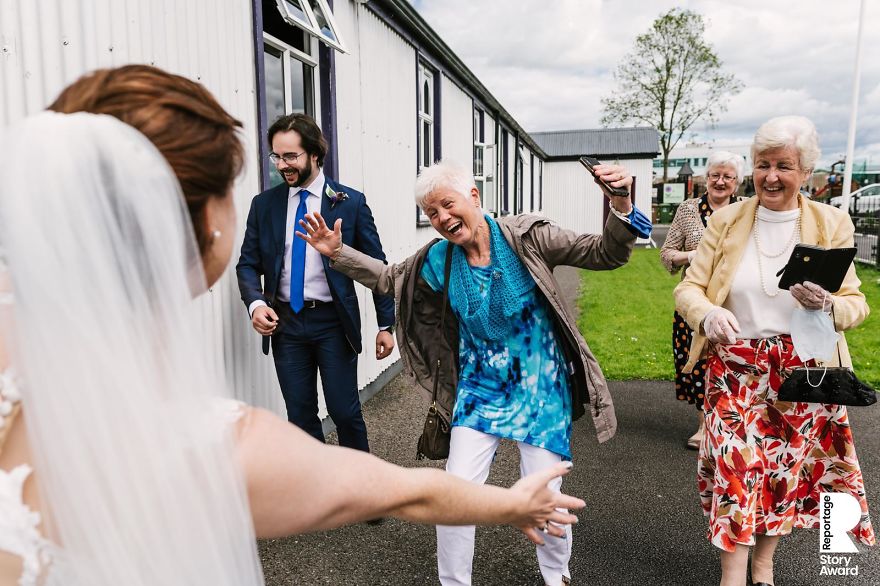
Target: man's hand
column 720, row 326
column 384, row 344
column 320, row 236
column 616, row 176
column 264, row 320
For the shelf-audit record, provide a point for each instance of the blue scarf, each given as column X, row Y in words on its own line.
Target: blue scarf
column 490, row 316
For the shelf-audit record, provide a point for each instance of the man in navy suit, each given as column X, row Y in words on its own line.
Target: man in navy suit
column 307, row 311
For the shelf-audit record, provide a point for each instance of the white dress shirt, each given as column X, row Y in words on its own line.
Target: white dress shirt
column 315, row 287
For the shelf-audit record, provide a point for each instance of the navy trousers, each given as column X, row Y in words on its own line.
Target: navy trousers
column 305, row 342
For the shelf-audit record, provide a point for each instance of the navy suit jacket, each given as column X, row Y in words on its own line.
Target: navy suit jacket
column 262, row 254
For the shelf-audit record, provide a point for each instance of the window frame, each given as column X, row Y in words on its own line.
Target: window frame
column 290, row 53
column 427, row 123
column 487, row 159
column 532, row 181
column 503, row 162
column 311, row 27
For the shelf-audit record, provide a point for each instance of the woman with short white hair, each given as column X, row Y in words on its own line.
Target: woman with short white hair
column 724, row 174
column 763, row 462
column 507, row 360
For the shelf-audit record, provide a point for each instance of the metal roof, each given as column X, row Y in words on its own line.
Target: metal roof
column 600, row 142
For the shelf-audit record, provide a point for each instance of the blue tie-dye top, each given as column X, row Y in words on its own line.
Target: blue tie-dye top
column 515, row 388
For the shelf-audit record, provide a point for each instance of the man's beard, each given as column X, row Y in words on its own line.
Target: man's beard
column 302, row 176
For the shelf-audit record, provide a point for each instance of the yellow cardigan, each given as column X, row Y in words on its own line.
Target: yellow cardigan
column 708, row 280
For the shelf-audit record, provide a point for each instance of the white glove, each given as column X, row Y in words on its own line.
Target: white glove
column 691, row 256
column 720, row 326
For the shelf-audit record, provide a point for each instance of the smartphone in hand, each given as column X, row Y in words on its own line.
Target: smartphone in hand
column 589, row 163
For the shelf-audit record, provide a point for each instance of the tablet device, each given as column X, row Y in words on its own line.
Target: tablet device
column 824, row 266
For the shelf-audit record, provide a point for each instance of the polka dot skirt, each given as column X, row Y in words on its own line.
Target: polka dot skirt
column 689, row 385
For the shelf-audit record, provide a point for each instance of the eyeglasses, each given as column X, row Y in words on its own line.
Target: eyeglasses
column 289, row 158
column 714, row 177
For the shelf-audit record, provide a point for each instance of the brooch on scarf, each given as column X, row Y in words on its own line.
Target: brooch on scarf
column 335, row 196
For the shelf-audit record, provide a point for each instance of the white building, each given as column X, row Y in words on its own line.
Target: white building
column 696, row 155
column 577, row 202
column 387, row 91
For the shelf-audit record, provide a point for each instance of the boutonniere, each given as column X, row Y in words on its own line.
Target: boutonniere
column 335, row 196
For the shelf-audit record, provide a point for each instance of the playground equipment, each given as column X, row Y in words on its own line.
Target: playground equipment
column 834, row 186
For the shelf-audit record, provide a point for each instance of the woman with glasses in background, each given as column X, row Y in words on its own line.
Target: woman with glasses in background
column 724, row 173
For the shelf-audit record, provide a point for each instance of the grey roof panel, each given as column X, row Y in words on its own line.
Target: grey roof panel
column 598, row 142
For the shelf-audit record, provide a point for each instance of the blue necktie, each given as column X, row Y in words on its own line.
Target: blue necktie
column 298, row 257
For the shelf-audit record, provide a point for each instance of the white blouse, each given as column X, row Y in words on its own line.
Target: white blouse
column 760, row 313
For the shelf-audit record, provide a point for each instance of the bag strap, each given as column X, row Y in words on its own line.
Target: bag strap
column 839, row 359
column 447, row 271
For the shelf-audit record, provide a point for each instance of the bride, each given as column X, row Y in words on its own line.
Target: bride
column 123, row 459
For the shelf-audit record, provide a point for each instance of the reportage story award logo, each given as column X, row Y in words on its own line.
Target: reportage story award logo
column 838, row 513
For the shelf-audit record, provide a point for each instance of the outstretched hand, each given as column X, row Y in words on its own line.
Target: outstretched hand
column 542, row 510
column 319, row 235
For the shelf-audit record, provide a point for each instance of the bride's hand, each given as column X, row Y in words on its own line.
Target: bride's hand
column 326, row 241
column 543, row 510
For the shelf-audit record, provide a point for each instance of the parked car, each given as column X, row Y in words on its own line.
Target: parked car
column 864, row 201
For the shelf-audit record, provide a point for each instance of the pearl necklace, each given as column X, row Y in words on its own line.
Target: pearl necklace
column 795, row 238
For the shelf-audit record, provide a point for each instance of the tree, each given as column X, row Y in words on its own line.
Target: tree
column 670, row 80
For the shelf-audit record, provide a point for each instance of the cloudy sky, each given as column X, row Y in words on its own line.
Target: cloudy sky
column 550, row 61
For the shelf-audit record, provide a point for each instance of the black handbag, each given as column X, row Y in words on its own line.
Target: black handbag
column 434, row 441
column 835, row 385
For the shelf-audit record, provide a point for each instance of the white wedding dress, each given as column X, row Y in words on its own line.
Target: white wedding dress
column 19, row 525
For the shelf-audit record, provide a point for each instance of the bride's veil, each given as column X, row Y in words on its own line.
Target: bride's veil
column 124, row 412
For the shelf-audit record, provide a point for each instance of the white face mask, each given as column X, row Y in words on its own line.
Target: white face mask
column 813, row 335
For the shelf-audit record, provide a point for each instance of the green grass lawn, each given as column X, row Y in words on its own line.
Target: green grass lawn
column 626, row 317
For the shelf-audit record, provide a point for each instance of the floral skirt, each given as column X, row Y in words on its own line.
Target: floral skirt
column 763, row 462
column 689, row 384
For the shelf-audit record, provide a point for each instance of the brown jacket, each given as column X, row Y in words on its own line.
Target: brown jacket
column 707, row 281
column 541, row 246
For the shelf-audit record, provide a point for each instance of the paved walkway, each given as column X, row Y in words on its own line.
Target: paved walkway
column 642, row 525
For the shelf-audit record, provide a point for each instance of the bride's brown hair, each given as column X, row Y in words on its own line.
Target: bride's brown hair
column 197, row 137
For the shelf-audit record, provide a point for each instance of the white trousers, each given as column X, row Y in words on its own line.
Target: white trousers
column 470, row 456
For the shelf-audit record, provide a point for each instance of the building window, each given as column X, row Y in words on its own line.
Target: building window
column 532, row 182
column 518, row 201
column 315, row 18
column 540, row 185
column 290, row 84
column 426, row 117
column 483, row 163
column 503, row 156
column 428, row 124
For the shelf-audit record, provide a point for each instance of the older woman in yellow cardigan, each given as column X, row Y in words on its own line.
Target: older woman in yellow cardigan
column 763, row 462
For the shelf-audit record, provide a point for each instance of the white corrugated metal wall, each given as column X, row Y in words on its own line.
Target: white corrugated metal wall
column 47, row 44
column 457, row 134
column 573, row 200
column 377, row 112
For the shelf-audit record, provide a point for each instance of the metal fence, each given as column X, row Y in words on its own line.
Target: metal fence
column 865, row 214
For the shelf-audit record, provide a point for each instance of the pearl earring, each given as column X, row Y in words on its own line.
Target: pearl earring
column 215, row 235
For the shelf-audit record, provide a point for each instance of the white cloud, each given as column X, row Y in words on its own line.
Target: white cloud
column 550, row 62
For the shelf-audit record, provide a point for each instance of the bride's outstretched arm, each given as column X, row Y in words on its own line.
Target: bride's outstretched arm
column 297, row 484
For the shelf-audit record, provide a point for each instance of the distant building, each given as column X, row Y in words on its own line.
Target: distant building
column 696, row 155
column 577, row 201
